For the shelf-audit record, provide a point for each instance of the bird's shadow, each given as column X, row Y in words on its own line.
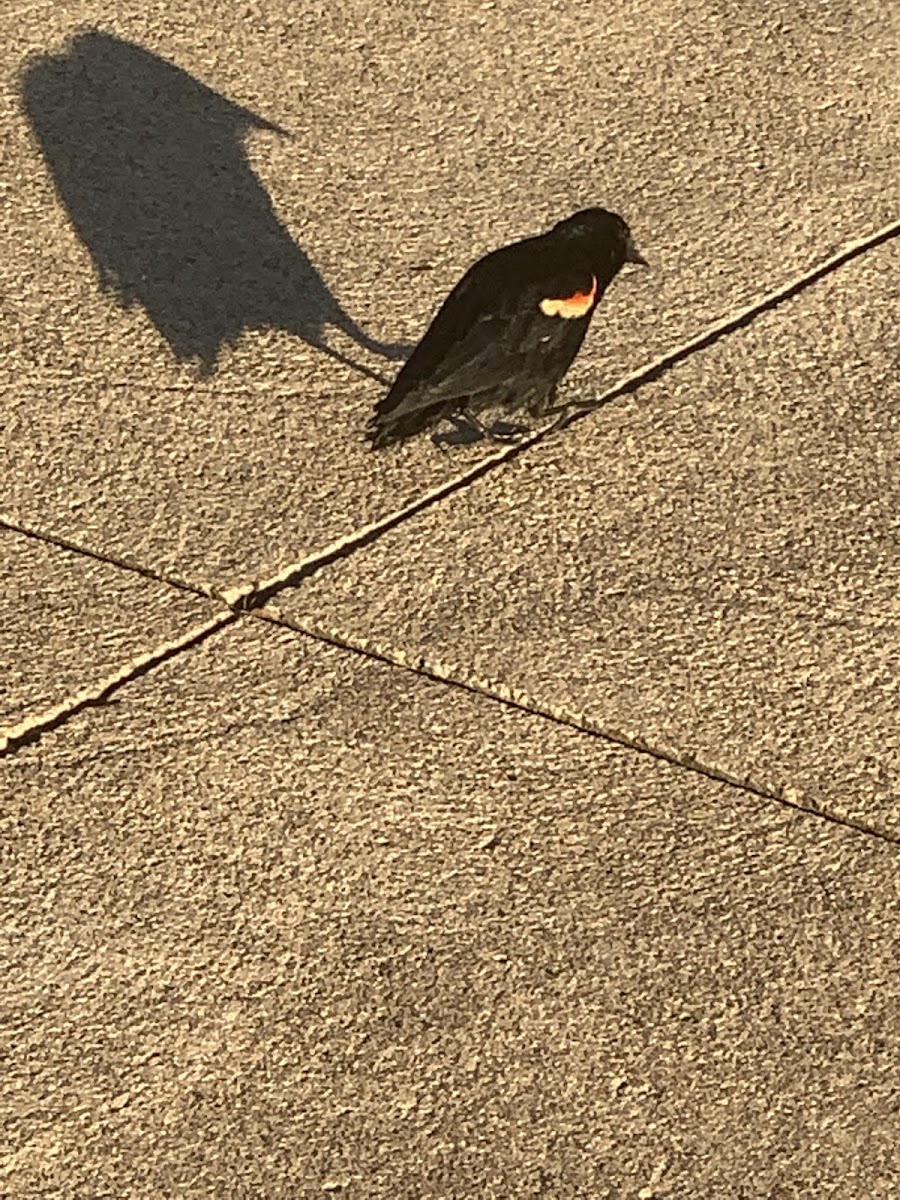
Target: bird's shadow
column 152, row 168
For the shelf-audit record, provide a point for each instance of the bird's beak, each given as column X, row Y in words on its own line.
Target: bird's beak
column 633, row 255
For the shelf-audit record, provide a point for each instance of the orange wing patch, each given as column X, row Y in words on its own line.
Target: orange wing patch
column 579, row 304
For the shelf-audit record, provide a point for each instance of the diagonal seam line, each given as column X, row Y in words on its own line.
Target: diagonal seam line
column 257, row 594
column 32, row 728
column 520, row 700
column 254, row 595
column 102, row 556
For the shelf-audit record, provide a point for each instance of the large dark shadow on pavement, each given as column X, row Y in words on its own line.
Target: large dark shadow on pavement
column 151, row 166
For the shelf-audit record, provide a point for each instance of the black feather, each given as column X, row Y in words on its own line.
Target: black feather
column 491, row 343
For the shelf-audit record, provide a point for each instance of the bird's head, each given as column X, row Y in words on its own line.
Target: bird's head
column 606, row 236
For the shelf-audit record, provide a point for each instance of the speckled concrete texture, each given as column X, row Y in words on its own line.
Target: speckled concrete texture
column 67, row 621
column 743, row 146
column 422, row 880
column 712, row 567
column 336, row 929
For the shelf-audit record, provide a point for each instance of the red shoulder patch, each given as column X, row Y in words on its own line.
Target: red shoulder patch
column 579, row 304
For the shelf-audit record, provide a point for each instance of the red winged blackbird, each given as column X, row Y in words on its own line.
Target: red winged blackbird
column 509, row 330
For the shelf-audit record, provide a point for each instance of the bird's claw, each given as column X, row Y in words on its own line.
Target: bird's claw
column 505, row 431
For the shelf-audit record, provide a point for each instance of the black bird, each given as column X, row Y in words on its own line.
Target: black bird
column 509, row 330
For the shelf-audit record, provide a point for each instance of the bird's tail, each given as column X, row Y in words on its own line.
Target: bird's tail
column 397, row 417
column 387, row 428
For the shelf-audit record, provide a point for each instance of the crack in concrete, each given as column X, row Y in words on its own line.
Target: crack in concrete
column 251, row 599
column 32, row 728
column 516, row 698
column 111, row 560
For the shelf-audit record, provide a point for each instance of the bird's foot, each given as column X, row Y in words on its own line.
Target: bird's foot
column 463, row 433
column 506, row 431
column 467, row 429
column 500, row 431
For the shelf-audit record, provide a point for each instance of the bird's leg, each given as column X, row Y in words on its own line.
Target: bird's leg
column 462, row 434
column 469, row 416
column 546, row 406
column 500, row 432
column 565, row 415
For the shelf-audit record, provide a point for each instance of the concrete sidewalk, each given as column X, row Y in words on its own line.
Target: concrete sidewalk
column 545, row 843
column 290, row 922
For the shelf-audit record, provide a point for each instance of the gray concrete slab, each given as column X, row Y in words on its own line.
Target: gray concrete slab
column 742, row 144
column 713, row 568
column 67, row 622
column 287, row 922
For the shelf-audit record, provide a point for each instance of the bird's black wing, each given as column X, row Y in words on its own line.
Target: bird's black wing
column 481, row 333
column 469, row 319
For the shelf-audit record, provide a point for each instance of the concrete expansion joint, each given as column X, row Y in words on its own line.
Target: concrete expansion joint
column 102, row 691
column 112, row 560
column 255, row 599
column 516, row 698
